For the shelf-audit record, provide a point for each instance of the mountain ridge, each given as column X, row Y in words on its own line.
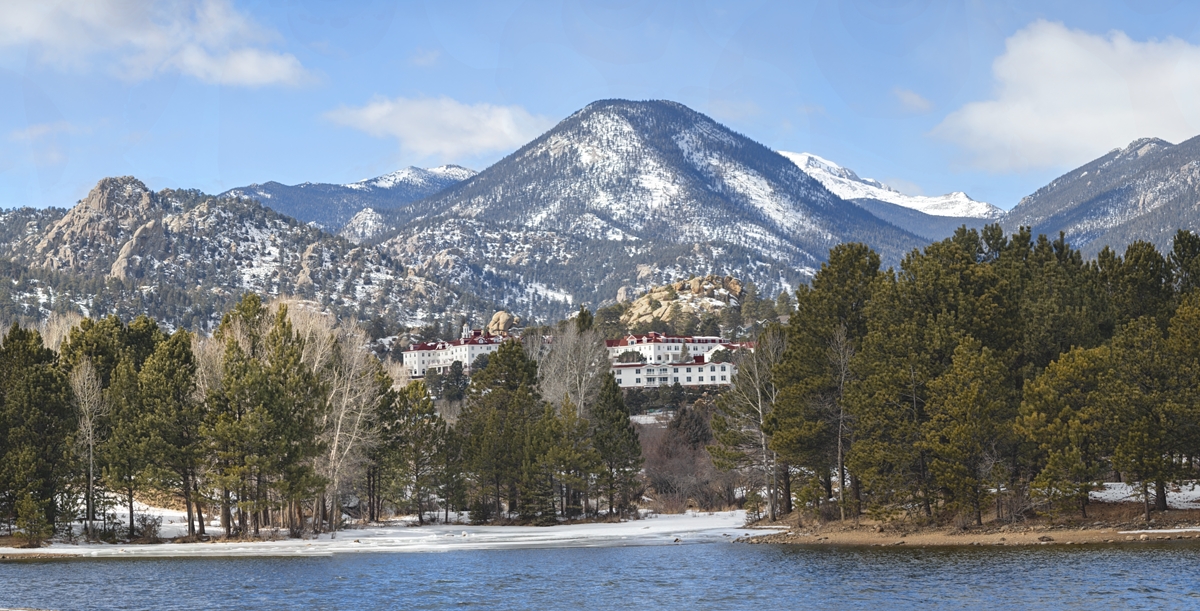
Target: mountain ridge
column 644, row 190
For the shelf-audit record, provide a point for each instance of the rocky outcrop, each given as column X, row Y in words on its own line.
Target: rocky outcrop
column 91, row 235
column 501, row 322
column 696, row 296
column 149, row 243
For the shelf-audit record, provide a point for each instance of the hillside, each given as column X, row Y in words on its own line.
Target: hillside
column 332, row 206
column 183, row 257
column 1145, row 191
column 631, row 193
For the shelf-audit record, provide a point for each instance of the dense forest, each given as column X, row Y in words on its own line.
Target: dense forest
column 988, row 376
column 283, row 421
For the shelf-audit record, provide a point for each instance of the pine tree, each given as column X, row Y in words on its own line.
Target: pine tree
column 36, row 424
column 174, row 416
column 617, row 445
column 1061, row 413
column 125, row 453
column 413, row 436
column 969, row 423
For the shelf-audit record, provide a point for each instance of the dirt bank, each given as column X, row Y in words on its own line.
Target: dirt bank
column 1107, row 523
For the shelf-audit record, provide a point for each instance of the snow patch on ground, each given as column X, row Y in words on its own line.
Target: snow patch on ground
column 1185, row 496
column 692, row 527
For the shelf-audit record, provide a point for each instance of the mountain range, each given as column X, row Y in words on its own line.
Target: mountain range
column 332, row 206
column 618, row 197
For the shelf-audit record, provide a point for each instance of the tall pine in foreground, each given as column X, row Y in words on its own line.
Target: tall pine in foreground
column 174, row 416
column 36, row 422
column 617, row 446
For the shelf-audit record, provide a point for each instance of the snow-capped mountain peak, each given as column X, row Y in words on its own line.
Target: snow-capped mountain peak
column 847, row 185
column 416, row 178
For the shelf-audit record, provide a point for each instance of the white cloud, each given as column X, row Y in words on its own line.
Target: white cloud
column 442, row 127
column 137, row 39
column 425, row 57
column 911, row 101
column 39, row 131
column 1063, row 97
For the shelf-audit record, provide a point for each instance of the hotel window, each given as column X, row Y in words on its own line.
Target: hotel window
column 638, row 371
column 637, row 381
column 689, row 378
column 722, row 368
column 676, row 378
column 712, row 367
column 712, row 378
column 722, row 378
column 675, row 370
column 689, row 370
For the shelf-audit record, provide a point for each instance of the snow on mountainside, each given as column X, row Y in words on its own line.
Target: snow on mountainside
column 434, row 179
column 331, row 206
column 631, row 193
column 1146, row 191
column 366, row 225
column 184, row 257
column 847, row 185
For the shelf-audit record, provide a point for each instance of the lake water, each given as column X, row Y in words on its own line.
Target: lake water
column 682, row 577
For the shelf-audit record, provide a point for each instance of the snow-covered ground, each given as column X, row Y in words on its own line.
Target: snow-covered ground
column 1186, row 496
column 692, row 527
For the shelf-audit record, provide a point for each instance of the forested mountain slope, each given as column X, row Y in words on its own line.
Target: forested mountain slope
column 631, row 193
column 1145, row 191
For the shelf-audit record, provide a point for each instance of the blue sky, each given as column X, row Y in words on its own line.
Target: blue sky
column 992, row 98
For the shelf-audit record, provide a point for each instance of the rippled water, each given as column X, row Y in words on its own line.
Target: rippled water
column 709, row 576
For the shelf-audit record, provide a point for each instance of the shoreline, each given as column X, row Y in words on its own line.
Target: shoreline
column 1109, row 524
column 397, row 537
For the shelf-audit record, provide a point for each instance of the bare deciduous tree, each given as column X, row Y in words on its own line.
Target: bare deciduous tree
column 89, row 401
column 55, row 328
column 351, row 375
column 573, row 366
column 740, row 424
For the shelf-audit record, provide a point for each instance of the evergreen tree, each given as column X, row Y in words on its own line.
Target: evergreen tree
column 969, row 423
column 174, row 419
column 36, row 424
column 126, row 453
column 1060, row 413
column 413, row 436
column 617, row 445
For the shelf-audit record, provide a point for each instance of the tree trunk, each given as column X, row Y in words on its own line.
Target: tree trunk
column 1146, row 499
column 187, row 502
column 786, row 473
column 131, row 529
column 1160, row 495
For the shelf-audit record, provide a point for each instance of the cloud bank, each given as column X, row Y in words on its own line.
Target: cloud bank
column 1063, row 97
column 138, row 39
column 443, row 127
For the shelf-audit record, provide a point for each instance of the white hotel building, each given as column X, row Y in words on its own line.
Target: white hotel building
column 420, row 358
column 696, row 372
column 664, row 360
